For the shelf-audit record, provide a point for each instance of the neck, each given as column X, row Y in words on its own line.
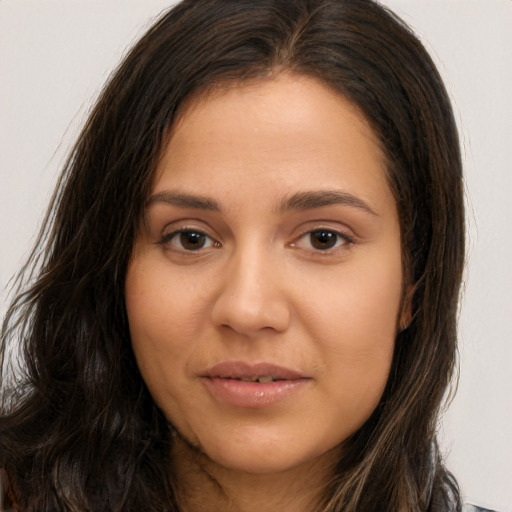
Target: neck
column 204, row 486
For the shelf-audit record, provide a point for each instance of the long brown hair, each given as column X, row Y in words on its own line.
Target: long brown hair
column 79, row 430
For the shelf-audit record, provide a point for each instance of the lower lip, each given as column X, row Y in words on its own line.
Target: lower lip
column 252, row 394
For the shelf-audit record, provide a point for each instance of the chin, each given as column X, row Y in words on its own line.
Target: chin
column 267, row 456
column 255, row 464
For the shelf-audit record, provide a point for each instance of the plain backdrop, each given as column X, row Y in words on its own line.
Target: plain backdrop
column 56, row 54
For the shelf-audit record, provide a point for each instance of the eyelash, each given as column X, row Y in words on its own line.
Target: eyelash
column 339, row 238
column 167, row 239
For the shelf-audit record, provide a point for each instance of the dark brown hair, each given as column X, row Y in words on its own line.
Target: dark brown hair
column 79, row 430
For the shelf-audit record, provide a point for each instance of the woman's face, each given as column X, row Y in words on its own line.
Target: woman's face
column 265, row 286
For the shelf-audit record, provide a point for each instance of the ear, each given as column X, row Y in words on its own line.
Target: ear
column 405, row 318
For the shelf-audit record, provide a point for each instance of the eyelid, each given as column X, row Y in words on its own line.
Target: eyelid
column 346, row 238
column 167, row 237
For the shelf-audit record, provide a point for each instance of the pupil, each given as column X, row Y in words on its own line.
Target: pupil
column 192, row 240
column 323, row 239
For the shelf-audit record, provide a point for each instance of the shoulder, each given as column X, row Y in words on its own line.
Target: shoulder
column 474, row 508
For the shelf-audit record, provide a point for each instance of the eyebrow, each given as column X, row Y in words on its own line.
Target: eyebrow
column 185, row 201
column 309, row 200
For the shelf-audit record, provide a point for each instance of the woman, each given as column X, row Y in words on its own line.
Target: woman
column 249, row 275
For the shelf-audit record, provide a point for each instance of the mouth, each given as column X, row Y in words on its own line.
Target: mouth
column 263, row 373
column 258, row 385
column 262, row 380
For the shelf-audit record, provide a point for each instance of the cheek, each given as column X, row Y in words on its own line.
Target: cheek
column 355, row 318
column 162, row 322
column 360, row 306
column 159, row 304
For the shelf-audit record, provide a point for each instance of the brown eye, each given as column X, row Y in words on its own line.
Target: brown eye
column 192, row 240
column 188, row 240
column 323, row 239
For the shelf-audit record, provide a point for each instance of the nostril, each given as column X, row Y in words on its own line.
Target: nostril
column 246, row 314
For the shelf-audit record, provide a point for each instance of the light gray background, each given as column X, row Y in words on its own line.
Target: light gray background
column 54, row 56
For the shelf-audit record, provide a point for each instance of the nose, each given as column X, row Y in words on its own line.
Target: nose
column 252, row 297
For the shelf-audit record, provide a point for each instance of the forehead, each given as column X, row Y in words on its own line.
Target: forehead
column 289, row 130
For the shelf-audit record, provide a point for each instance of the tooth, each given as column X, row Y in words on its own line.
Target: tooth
column 265, row 380
column 246, row 379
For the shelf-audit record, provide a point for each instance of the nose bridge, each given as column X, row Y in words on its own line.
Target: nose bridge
column 252, row 296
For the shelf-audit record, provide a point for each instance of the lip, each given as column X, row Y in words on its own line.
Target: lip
column 223, row 382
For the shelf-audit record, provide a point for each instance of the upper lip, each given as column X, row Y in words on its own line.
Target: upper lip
column 243, row 370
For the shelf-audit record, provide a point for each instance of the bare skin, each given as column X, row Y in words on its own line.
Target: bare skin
column 222, row 490
column 264, row 292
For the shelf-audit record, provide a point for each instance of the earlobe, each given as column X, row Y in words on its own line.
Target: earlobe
column 406, row 315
